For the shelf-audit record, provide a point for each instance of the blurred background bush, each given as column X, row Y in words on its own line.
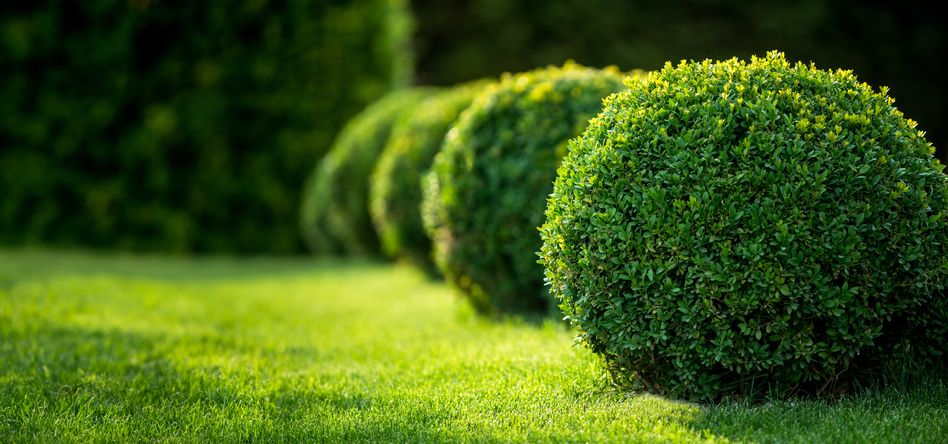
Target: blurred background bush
column 395, row 188
column 335, row 216
column 191, row 126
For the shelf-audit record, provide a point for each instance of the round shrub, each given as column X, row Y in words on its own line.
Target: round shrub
column 334, row 213
column 725, row 228
column 395, row 188
column 485, row 194
column 185, row 126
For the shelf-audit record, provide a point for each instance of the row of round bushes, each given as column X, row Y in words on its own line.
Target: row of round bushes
column 484, row 195
column 367, row 193
column 719, row 228
column 395, row 188
column 335, row 214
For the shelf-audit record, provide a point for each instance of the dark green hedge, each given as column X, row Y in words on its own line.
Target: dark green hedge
column 729, row 227
column 395, row 188
column 900, row 44
column 335, row 214
column 179, row 126
column 485, row 194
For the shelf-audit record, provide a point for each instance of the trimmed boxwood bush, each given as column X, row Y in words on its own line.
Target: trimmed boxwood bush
column 395, row 188
column 185, row 126
column 334, row 214
column 727, row 227
column 485, row 194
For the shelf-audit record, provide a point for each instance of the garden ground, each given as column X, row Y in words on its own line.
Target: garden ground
column 142, row 348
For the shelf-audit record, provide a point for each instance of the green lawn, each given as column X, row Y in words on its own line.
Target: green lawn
column 131, row 348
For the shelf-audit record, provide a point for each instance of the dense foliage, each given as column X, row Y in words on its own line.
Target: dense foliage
column 334, row 214
column 898, row 44
column 395, row 188
column 724, row 227
column 180, row 125
column 485, row 193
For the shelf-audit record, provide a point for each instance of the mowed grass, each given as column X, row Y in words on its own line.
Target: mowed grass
column 133, row 348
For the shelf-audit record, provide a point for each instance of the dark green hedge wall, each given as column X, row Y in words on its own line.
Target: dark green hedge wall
column 897, row 44
column 174, row 125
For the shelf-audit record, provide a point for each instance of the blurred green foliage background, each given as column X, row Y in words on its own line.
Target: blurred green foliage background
column 897, row 44
column 180, row 125
column 191, row 126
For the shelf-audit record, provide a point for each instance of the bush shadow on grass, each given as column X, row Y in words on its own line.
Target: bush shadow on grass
column 912, row 406
column 914, row 409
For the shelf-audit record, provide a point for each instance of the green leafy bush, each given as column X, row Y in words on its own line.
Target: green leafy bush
column 334, row 214
column 485, row 193
column 727, row 227
column 180, row 125
column 395, row 188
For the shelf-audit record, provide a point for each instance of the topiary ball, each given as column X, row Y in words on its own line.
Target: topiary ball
column 334, row 214
column 485, row 193
column 729, row 227
column 395, row 188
